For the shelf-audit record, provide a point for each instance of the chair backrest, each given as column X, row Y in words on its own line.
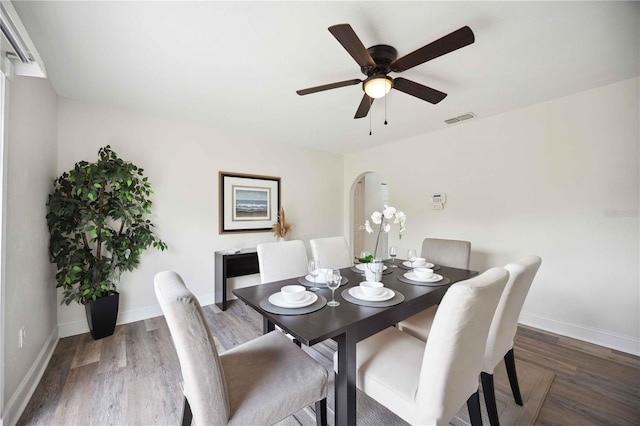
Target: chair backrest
column 451, row 253
column 332, row 252
column 281, row 260
column 204, row 383
column 453, row 356
column 505, row 321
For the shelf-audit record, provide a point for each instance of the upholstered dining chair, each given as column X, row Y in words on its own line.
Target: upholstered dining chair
column 332, row 252
column 258, row 382
column 439, row 375
column 451, row 253
column 281, row 260
column 503, row 330
column 501, row 334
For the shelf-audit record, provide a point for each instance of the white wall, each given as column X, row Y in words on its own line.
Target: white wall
column 558, row 179
column 29, row 280
column 182, row 162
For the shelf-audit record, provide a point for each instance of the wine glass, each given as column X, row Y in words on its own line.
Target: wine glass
column 333, row 282
column 314, row 271
column 393, row 252
column 411, row 256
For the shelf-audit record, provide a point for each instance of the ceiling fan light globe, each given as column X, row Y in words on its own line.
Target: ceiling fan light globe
column 377, row 87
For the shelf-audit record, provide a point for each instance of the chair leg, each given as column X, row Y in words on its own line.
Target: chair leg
column 187, row 416
column 510, row 362
column 490, row 398
column 473, row 404
column 321, row 412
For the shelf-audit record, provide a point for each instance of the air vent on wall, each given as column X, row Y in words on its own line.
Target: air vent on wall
column 459, row 118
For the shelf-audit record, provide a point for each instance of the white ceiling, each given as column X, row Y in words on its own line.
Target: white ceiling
column 235, row 66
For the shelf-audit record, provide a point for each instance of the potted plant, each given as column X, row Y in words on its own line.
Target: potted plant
column 98, row 229
column 383, row 220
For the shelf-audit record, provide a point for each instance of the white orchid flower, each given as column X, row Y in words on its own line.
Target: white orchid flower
column 367, row 227
column 383, row 220
column 376, row 218
column 400, row 218
column 389, row 212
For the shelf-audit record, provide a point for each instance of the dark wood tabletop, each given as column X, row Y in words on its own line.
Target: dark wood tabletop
column 349, row 323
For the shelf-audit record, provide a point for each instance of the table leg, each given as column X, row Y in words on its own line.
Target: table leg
column 267, row 325
column 345, row 388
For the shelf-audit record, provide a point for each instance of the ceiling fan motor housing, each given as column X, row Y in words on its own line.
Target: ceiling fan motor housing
column 383, row 55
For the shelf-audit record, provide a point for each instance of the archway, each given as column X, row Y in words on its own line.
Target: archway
column 368, row 194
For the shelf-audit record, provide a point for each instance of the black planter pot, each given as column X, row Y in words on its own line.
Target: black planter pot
column 102, row 314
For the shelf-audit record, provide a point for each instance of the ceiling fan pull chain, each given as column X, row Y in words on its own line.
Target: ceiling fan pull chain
column 385, row 110
column 370, row 102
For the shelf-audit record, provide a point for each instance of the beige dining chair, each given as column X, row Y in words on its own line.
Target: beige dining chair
column 501, row 334
column 426, row 383
column 332, row 252
column 503, row 330
column 259, row 382
column 282, row 260
column 451, row 253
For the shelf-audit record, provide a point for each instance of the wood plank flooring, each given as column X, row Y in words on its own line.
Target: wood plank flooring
column 133, row 376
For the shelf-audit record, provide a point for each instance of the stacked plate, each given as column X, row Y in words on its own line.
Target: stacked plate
column 363, row 267
column 432, row 279
column 385, row 294
column 408, row 264
column 277, row 299
column 321, row 278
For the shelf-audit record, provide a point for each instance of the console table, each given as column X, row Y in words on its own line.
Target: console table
column 229, row 265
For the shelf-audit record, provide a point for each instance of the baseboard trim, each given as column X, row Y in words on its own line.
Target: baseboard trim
column 22, row 395
column 608, row 339
column 79, row 327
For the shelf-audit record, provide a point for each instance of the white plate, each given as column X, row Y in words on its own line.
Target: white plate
column 387, row 294
column 426, row 265
column 434, row 279
column 363, row 266
column 320, row 279
column 277, row 300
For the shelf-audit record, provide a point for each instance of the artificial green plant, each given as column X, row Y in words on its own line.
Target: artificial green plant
column 98, row 226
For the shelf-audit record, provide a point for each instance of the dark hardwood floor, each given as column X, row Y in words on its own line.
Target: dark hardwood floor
column 593, row 385
column 129, row 377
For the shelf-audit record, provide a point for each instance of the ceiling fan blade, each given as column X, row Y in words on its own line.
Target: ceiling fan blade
column 365, row 106
column 453, row 41
column 352, row 44
column 418, row 90
column 328, row 87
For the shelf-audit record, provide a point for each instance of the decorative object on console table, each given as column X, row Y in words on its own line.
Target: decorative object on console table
column 281, row 228
column 248, row 203
column 231, row 264
column 383, row 220
column 98, row 229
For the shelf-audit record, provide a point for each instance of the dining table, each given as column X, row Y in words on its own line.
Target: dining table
column 353, row 320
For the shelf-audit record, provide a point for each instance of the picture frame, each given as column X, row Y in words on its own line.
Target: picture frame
column 248, row 203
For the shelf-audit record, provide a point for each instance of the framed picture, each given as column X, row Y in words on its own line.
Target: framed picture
column 248, row 203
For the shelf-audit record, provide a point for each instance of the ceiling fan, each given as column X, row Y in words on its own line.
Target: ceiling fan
column 378, row 61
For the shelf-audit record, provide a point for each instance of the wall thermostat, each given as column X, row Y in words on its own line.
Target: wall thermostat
column 438, row 200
